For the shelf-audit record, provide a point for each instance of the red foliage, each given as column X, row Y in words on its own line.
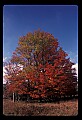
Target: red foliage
column 46, row 68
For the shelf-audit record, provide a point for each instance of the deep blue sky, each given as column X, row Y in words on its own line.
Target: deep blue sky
column 61, row 21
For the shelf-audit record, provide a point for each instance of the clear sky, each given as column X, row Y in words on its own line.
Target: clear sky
column 61, row 21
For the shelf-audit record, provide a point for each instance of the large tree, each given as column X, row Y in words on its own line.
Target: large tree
column 47, row 72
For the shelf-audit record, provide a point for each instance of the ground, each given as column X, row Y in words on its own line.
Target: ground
column 64, row 108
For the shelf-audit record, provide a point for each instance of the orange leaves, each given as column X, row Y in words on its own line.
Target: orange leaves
column 55, row 43
column 42, row 95
column 21, row 92
column 44, row 65
column 36, row 86
column 34, row 95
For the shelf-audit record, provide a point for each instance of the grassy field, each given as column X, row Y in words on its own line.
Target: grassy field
column 64, row 108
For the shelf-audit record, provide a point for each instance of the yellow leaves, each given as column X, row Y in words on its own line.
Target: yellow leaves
column 7, row 76
column 37, row 47
column 27, row 56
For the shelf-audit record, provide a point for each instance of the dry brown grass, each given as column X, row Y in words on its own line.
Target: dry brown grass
column 64, row 108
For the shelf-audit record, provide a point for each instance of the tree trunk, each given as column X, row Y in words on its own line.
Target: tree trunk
column 13, row 97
